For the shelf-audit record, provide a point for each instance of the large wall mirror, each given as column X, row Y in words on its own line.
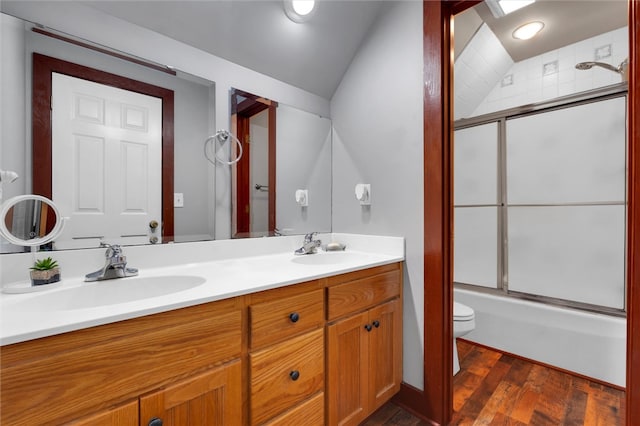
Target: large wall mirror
column 86, row 179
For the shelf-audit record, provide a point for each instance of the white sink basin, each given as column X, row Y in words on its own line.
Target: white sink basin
column 326, row 258
column 112, row 292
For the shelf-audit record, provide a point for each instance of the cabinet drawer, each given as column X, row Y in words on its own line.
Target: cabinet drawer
column 360, row 294
column 276, row 320
column 275, row 386
column 309, row 413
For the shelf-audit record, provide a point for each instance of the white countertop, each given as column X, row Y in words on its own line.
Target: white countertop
column 62, row 309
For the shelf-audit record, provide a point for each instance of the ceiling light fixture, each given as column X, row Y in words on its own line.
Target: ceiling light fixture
column 500, row 8
column 528, row 30
column 299, row 10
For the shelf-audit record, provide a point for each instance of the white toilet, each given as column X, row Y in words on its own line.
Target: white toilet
column 463, row 323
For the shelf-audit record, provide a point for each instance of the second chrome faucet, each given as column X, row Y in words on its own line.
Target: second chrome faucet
column 309, row 246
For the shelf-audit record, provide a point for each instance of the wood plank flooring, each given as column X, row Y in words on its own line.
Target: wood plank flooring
column 497, row 389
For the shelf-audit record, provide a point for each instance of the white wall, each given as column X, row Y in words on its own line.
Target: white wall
column 377, row 115
column 12, row 84
column 303, row 161
column 12, row 103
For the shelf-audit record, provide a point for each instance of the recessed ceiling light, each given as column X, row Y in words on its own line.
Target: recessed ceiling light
column 500, row 8
column 528, row 30
column 299, row 10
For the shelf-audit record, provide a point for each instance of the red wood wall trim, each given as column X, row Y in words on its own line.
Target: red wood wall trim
column 43, row 66
column 633, row 223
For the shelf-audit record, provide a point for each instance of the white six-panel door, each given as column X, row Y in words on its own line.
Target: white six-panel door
column 107, row 171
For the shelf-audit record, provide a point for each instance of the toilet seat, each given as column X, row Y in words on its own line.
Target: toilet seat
column 462, row 312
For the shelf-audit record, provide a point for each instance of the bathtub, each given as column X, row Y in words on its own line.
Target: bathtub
column 589, row 344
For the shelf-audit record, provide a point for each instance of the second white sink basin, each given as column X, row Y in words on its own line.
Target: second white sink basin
column 112, row 292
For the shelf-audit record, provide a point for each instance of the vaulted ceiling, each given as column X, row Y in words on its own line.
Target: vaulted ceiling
column 315, row 55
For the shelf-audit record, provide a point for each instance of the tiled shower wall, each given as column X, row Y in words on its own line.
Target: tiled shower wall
column 539, row 78
column 479, row 67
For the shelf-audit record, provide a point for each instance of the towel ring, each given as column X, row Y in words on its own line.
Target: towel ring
column 222, row 136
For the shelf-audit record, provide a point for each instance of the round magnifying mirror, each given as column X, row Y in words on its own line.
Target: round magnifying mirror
column 30, row 220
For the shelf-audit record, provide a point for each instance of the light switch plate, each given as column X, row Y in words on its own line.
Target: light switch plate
column 178, row 199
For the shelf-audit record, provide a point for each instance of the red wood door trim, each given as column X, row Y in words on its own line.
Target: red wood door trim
column 633, row 223
column 242, row 113
column 272, row 169
column 41, row 127
column 243, row 195
column 438, row 223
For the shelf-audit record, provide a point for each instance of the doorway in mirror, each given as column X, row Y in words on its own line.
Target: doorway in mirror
column 253, row 121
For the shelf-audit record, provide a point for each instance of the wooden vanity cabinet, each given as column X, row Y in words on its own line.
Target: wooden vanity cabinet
column 364, row 343
column 326, row 351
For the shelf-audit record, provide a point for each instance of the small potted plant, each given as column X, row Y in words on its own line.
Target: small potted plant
column 45, row 271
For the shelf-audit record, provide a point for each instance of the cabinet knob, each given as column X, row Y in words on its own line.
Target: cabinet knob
column 294, row 317
column 295, row 375
column 155, row 422
column 376, row 323
column 368, row 327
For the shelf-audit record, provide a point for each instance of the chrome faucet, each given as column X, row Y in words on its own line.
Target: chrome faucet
column 310, row 245
column 115, row 265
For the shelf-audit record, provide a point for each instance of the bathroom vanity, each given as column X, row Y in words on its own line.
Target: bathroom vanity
column 319, row 339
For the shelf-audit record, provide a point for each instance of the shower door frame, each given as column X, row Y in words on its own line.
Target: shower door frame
column 435, row 402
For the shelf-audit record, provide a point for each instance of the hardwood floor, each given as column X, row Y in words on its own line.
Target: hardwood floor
column 497, row 389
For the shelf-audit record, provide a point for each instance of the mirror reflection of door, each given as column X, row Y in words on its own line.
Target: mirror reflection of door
column 128, row 180
column 107, row 147
column 253, row 121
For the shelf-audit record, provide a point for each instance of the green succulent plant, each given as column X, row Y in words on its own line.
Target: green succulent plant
column 44, row 264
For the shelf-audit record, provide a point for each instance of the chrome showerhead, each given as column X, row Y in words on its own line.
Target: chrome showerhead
column 585, row 65
column 589, row 65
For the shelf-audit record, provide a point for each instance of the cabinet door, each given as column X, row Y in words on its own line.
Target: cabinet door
column 122, row 415
column 347, row 371
column 385, row 353
column 209, row 399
